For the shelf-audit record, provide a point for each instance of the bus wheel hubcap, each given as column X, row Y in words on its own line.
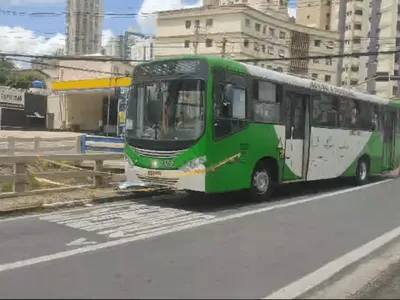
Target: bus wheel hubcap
column 363, row 171
column 261, row 181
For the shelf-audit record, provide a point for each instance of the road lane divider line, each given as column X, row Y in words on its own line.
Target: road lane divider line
column 122, row 241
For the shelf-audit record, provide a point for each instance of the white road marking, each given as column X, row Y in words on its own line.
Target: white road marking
column 128, row 220
column 317, row 277
column 77, row 209
column 152, row 234
column 81, row 241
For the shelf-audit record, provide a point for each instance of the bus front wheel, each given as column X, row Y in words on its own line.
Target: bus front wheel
column 262, row 182
column 362, row 171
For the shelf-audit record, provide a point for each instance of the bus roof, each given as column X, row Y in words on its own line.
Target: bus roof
column 279, row 77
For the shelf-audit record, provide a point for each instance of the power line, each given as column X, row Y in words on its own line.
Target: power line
column 100, row 59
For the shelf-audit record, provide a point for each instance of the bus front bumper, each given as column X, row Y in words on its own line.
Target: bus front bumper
column 173, row 179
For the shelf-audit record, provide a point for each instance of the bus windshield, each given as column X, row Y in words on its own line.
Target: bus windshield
column 166, row 110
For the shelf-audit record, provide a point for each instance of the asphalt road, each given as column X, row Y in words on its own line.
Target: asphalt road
column 180, row 248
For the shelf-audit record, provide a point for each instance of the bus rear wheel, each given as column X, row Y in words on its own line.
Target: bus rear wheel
column 262, row 182
column 362, row 171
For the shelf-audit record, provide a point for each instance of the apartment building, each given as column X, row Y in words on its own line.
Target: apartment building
column 84, row 26
column 241, row 32
column 322, row 14
column 278, row 7
column 364, row 26
column 143, row 49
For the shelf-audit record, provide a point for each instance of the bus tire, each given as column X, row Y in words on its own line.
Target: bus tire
column 262, row 182
column 362, row 171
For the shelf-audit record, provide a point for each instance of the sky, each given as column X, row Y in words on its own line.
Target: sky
column 41, row 35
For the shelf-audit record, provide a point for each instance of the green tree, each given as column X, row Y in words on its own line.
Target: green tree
column 6, row 68
column 23, row 80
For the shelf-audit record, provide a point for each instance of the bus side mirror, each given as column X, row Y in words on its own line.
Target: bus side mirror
column 228, row 92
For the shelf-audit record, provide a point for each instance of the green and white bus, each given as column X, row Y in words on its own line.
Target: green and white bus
column 193, row 112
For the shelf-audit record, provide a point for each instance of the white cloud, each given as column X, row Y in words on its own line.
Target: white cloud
column 292, row 11
column 147, row 17
column 23, row 41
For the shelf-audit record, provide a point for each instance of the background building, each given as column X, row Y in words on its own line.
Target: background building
column 143, row 49
column 242, row 32
column 84, row 26
column 364, row 26
column 82, row 109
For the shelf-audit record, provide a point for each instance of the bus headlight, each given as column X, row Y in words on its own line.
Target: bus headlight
column 194, row 164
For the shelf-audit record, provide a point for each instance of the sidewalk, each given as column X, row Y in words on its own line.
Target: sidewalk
column 386, row 286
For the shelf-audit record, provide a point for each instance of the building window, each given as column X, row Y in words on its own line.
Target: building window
column 270, row 50
column 209, row 43
column 316, row 61
column 258, row 27
column 209, row 22
column 256, row 46
column 317, row 43
column 271, row 31
column 358, row 12
column 264, row 29
column 314, row 75
column 246, row 43
column 188, row 24
column 263, row 48
column 328, row 61
column 327, row 78
column 282, row 34
column 281, row 53
column 187, row 44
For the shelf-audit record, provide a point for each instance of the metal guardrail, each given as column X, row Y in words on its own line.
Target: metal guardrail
column 91, row 143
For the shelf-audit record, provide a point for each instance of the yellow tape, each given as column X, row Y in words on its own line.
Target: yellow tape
column 94, row 192
column 170, row 175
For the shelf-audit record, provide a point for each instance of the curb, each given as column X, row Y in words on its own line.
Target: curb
column 48, row 207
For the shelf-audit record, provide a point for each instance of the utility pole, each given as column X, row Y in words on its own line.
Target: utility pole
column 196, row 38
column 349, row 70
column 223, row 49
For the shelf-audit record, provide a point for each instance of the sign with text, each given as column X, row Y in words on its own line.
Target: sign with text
column 11, row 98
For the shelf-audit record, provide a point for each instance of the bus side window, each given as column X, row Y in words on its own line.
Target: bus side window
column 324, row 110
column 365, row 116
column 398, row 122
column 266, row 102
column 374, row 110
column 229, row 109
column 349, row 113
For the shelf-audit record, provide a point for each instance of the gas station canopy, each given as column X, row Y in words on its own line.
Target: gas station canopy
column 90, row 84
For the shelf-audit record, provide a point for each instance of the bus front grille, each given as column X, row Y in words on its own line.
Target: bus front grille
column 169, row 182
column 158, row 154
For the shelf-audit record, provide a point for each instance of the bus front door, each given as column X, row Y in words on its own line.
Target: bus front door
column 388, row 140
column 297, row 136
